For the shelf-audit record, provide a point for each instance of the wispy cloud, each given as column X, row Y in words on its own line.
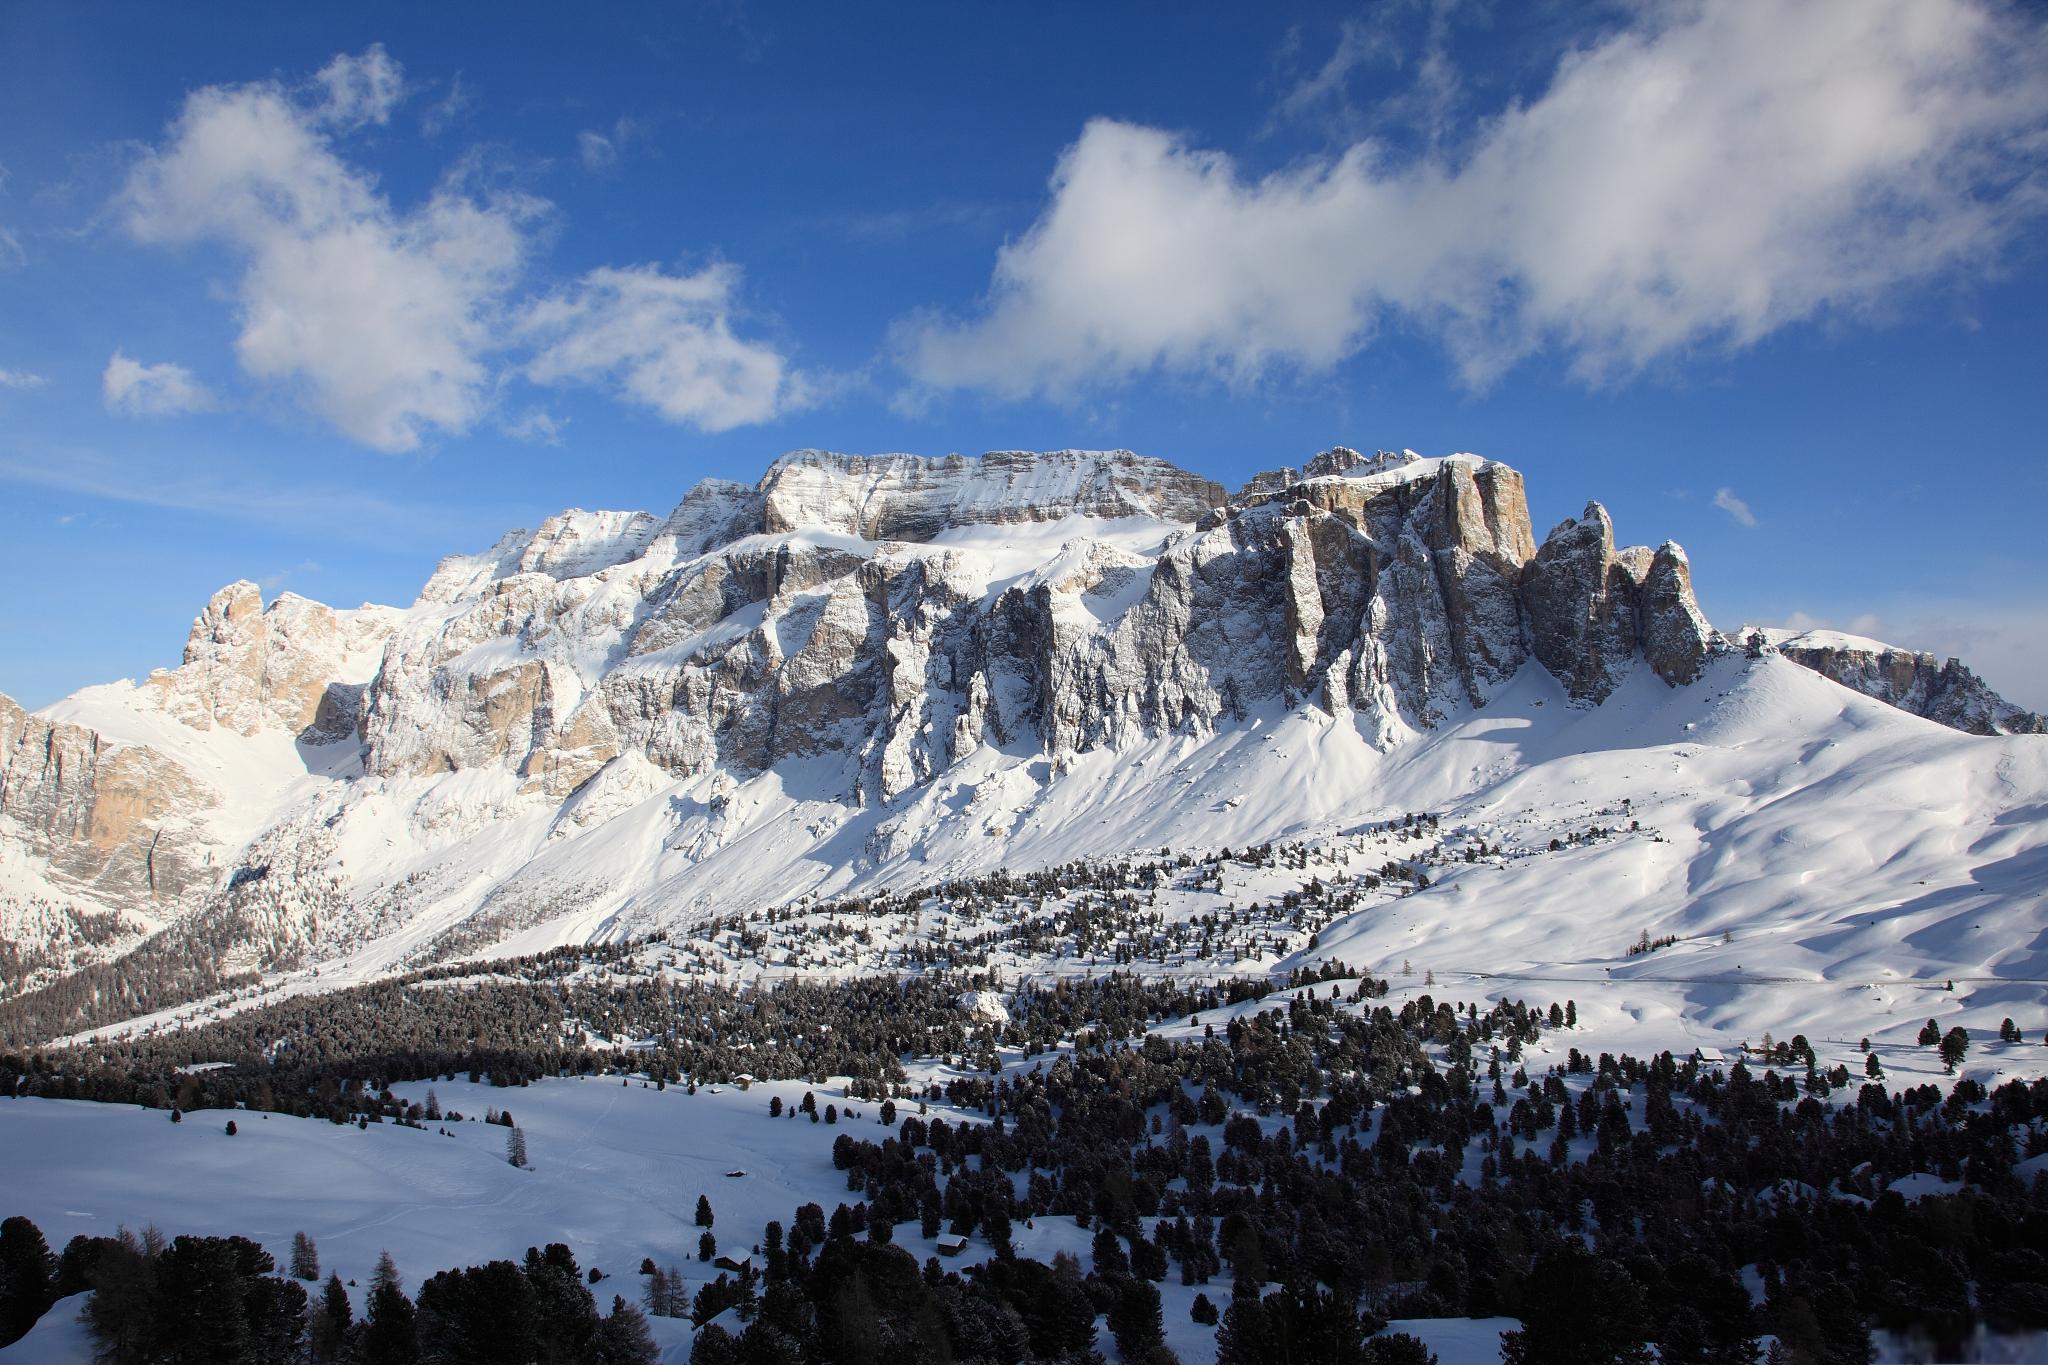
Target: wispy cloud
column 445, row 112
column 334, row 513
column 1725, row 499
column 11, row 254
column 162, row 390
column 537, row 425
column 600, row 150
column 890, row 226
column 1701, row 177
column 21, row 379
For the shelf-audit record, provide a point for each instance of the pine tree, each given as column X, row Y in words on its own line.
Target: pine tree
column 515, row 1146
column 623, row 1338
column 330, row 1326
column 707, row 1246
column 305, row 1257
column 1135, row 1321
column 390, row 1334
column 1954, row 1044
column 28, row 1275
column 1242, row 1339
column 704, row 1215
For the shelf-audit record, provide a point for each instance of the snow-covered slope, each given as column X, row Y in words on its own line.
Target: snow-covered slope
column 1911, row 680
column 883, row 672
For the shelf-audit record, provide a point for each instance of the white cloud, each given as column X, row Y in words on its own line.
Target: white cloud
column 360, row 89
column 163, row 390
column 663, row 341
column 379, row 318
column 21, row 379
column 1702, row 178
column 1725, row 499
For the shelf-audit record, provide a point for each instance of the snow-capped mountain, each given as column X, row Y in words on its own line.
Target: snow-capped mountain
column 877, row 671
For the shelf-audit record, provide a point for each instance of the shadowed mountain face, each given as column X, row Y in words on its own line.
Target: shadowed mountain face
column 854, row 629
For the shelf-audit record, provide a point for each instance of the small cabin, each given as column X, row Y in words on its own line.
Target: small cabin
column 951, row 1244
column 736, row 1264
column 1708, row 1056
column 735, row 1173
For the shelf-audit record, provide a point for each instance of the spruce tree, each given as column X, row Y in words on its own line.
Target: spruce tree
column 390, row 1334
column 623, row 1338
column 331, row 1323
column 305, row 1257
column 28, row 1276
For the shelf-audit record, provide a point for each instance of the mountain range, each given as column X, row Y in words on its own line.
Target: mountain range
column 870, row 673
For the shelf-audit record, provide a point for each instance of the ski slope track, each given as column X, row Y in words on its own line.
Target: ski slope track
column 869, row 674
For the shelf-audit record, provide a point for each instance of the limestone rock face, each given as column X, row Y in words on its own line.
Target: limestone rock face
column 247, row 668
column 111, row 820
column 906, row 497
column 1941, row 690
column 1594, row 610
column 814, row 616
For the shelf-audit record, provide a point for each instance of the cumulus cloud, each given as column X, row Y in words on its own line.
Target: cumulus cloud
column 665, row 342
column 21, row 379
column 396, row 324
column 379, row 317
column 163, row 390
column 1701, row 178
column 1725, row 499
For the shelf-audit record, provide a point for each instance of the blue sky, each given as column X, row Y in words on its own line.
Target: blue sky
column 316, row 299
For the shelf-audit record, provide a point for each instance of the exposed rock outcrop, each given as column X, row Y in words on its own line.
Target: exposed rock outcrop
column 1941, row 690
column 247, row 668
column 112, row 820
column 1593, row 610
column 813, row 615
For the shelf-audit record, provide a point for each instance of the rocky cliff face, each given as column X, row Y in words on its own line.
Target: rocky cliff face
column 863, row 608
column 117, row 796
column 247, row 668
column 1941, row 690
column 110, row 820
